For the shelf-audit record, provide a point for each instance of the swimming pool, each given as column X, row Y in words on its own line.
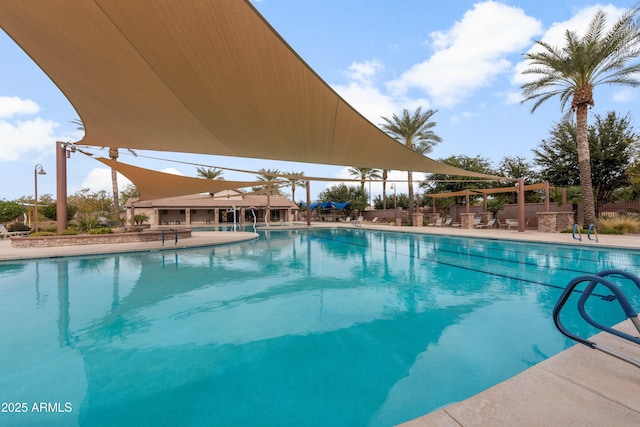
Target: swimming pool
column 300, row 327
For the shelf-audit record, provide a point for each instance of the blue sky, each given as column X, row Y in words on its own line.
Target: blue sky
column 462, row 58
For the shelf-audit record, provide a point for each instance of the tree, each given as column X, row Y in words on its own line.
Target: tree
column 271, row 180
column 113, row 155
column 385, row 176
column 345, row 193
column 515, row 168
column 210, row 173
column 10, row 210
column 612, row 144
column 572, row 72
column 130, row 191
column 295, row 179
column 441, row 183
column 364, row 174
column 414, row 131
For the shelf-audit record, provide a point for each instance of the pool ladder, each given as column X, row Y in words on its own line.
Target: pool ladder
column 592, row 230
column 593, row 280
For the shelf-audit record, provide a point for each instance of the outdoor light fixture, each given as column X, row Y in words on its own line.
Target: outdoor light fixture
column 38, row 170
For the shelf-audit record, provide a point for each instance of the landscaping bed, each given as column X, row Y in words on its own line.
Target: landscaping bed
column 93, row 239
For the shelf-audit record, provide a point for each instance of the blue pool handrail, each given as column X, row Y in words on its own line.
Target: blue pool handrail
column 592, row 228
column 593, row 280
column 576, row 228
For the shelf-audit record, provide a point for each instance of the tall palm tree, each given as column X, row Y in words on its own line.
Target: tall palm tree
column 416, row 132
column 210, row 173
column 295, row 179
column 385, row 176
column 571, row 73
column 113, row 155
column 364, row 174
column 271, row 186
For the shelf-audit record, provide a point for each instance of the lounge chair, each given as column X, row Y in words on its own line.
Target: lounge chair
column 490, row 224
column 358, row 222
column 438, row 223
column 374, row 220
column 4, row 233
column 447, row 222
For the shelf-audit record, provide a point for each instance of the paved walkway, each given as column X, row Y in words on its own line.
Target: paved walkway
column 578, row 387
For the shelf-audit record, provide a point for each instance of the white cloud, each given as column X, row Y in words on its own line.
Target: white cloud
column 555, row 35
column 172, row 171
column 12, row 105
column 22, row 137
column 625, row 95
column 470, row 54
column 457, row 118
column 361, row 93
column 99, row 179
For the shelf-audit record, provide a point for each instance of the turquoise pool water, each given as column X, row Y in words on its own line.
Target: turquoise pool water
column 343, row 327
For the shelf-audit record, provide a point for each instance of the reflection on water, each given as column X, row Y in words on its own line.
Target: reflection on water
column 329, row 327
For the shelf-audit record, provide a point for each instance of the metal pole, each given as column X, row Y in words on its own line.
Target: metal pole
column 521, row 215
column 38, row 170
column 61, row 186
column 308, row 203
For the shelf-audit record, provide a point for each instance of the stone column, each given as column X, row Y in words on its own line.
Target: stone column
column 466, row 220
column 418, row 220
column 554, row 222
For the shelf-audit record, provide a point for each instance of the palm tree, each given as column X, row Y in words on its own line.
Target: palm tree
column 364, row 174
column 271, row 186
column 572, row 72
column 210, row 173
column 295, row 179
column 113, row 155
column 385, row 175
column 414, row 131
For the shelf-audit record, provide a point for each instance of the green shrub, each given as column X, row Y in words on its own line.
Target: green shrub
column 140, row 219
column 69, row 232
column 101, row 230
column 87, row 223
column 42, row 234
column 620, row 224
column 18, row 226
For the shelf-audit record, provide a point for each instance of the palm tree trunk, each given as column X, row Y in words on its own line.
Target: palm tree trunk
column 584, row 162
column 384, row 189
column 410, row 183
column 113, row 155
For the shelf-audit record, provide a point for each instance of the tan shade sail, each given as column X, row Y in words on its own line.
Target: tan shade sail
column 197, row 76
column 158, row 185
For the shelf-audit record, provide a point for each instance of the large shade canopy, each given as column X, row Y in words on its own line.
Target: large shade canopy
column 158, row 185
column 197, row 76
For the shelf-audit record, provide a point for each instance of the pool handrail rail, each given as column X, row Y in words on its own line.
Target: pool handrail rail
column 623, row 301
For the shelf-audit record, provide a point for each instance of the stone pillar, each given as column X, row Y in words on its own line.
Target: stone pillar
column 187, row 216
column 554, row 222
column 418, row 220
column 466, row 220
column 216, row 216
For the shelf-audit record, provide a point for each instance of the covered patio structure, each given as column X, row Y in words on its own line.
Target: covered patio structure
column 196, row 76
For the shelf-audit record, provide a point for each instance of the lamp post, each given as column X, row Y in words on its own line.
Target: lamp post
column 394, row 196
column 38, row 170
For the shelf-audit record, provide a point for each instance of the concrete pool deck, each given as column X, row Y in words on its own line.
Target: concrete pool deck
column 579, row 386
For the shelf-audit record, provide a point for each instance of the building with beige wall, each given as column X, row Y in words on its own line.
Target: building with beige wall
column 214, row 208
